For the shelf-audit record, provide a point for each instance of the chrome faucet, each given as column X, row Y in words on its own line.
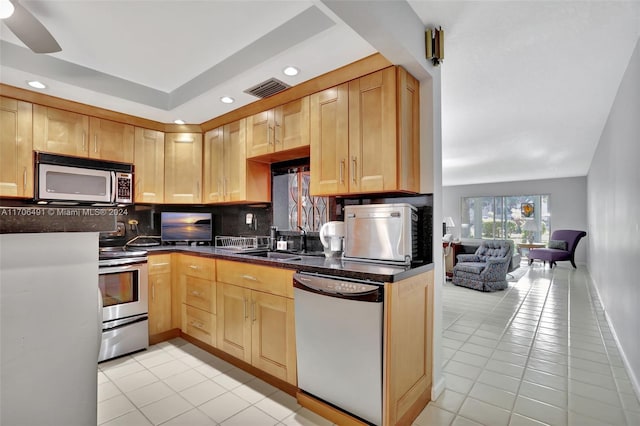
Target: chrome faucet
column 303, row 239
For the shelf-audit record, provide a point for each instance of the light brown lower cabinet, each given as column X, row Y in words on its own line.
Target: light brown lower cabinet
column 159, row 267
column 196, row 278
column 257, row 326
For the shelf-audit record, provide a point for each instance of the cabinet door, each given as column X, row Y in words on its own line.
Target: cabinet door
column 183, row 168
column 159, row 303
column 273, row 335
column 329, row 141
column 16, row 144
column 213, row 177
column 408, row 132
column 149, row 166
column 60, row 132
column 233, row 323
column 292, row 125
column 372, row 132
column 235, row 161
column 260, row 134
column 111, row 141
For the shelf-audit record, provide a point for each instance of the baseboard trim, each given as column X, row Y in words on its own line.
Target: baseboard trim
column 437, row 389
column 635, row 383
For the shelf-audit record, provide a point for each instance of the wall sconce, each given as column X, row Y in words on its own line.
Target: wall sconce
column 434, row 45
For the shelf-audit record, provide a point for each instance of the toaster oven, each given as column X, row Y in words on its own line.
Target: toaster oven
column 381, row 232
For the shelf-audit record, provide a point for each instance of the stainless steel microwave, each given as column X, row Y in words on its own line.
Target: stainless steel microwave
column 76, row 180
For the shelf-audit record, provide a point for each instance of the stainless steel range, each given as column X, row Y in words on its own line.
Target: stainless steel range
column 123, row 282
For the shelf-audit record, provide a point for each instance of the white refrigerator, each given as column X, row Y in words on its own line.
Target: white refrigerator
column 50, row 322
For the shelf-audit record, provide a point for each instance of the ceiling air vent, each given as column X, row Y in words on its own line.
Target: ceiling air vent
column 267, row 88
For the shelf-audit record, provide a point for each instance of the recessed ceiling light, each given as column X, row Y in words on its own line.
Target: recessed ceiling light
column 291, row 71
column 227, row 100
column 178, row 121
column 36, row 84
column 6, row 9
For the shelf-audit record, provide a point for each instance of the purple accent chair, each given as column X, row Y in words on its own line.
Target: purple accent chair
column 553, row 255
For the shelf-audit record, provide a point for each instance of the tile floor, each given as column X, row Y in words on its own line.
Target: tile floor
column 537, row 353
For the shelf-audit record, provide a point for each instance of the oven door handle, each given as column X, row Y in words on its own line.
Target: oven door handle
column 100, row 320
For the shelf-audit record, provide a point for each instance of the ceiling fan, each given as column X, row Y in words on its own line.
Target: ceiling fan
column 28, row 29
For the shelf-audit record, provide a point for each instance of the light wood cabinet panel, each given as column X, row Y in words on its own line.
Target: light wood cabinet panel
column 229, row 177
column 329, row 141
column 200, row 293
column 279, row 134
column 183, row 168
column 149, row 166
column 16, row 145
column 256, row 316
column 199, row 324
column 408, row 348
column 256, row 277
column 372, row 133
column 234, row 326
column 111, row 141
column 213, row 176
column 160, row 294
column 198, row 267
column 235, row 164
column 60, row 132
column 380, row 152
column 273, row 335
column 260, row 133
column 159, row 303
column 292, row 124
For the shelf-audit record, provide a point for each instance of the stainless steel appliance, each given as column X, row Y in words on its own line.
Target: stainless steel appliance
column 339, row 342
column 75, row 180
column 381, row 232
column 123, row 283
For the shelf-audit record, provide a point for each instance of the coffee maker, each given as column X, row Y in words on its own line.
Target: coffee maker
column 332, row 238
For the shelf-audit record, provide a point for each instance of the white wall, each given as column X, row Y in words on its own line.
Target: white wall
column 567, row 202
column 613, row 188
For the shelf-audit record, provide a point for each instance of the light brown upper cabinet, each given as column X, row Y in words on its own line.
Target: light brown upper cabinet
column 228, row 176
column 16, row 143
column 110, row 140
column 60, row 132
column 281, row 133
column 149, row 166
column 382, row 128
column 330, row 141
column 182, row 168
column 69, row 133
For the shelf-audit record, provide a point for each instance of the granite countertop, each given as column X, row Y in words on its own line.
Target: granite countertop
column 316, row 264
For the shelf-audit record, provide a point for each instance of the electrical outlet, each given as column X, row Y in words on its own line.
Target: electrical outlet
column 248, row 219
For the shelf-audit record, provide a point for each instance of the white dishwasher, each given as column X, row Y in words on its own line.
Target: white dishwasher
column 339, row 342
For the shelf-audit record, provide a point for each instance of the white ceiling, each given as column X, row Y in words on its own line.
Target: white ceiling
column 526, row 86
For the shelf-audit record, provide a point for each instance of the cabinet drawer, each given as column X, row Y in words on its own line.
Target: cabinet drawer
column 200, row 294
column 159, row 264
column 199, row 267
column 199, row 324
column 256, row 277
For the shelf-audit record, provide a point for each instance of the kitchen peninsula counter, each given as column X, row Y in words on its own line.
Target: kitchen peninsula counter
column 337, row 267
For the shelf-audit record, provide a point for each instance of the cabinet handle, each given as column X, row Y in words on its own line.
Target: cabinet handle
column 95, row 143
column 195, row 293
column 84, row 144
column 253, row 312
column 269, row 130
column 249, row 277
column 197, row 187
column 153, row 292
column 245, row 308
column 154, row 265
column 353, row 171
column 194, row 267
column 197, row 324
column 341, row 171
column 24, row 179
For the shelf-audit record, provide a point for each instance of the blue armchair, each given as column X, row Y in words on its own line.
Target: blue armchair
column 486, row 270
